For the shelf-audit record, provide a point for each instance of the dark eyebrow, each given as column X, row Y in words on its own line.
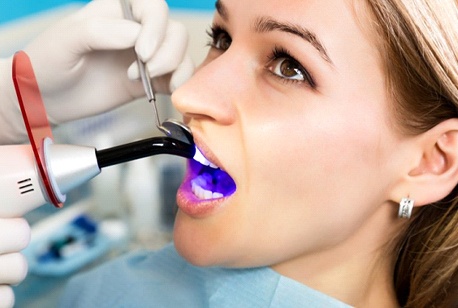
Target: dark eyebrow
column 221, row 9
column 267, row 24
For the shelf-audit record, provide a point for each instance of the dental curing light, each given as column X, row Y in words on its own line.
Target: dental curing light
column 42, row 171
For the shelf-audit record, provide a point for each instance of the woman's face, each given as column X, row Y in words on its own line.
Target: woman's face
column 291, row 103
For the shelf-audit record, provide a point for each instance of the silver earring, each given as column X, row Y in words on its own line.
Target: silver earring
column 405, row 208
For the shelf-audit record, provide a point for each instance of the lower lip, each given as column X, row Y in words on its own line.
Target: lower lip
column 189, row 204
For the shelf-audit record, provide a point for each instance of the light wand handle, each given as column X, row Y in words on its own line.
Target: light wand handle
column 144, row 148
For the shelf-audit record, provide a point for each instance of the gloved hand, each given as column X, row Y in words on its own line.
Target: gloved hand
column 14, row 236
column 81, row 62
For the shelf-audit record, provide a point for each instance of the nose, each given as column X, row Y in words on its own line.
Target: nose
column 210, row 93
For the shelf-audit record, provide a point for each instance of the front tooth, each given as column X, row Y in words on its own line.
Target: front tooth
column 202, row 193
column 217, row 195
column 198, row 156
column 194, row 188
column 207, row 194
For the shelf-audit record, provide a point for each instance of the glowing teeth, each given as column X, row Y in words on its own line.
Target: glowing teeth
column 208, row 180
column 204, row 194
column 201, row 183
column 201, row 159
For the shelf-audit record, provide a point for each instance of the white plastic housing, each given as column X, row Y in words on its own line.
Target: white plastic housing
column 20, row 187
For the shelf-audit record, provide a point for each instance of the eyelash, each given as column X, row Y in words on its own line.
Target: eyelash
column 215, row 32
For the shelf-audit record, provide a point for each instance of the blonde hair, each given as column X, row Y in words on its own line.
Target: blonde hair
column 418, row 42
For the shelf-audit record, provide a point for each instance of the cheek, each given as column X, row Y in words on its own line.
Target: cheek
column 313, row 149
column 319, row 176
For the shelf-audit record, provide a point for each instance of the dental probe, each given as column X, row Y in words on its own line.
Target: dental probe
column 170, row 127
column 144, row 75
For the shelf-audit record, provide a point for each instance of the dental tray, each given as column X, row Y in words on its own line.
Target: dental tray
column 72, row 246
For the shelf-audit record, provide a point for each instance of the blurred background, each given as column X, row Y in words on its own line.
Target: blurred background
column 127, row 207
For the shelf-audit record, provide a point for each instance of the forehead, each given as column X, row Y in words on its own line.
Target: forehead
column 292, row 10
column 342, row 25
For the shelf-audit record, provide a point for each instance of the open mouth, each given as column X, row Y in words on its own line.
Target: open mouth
column 208, row 180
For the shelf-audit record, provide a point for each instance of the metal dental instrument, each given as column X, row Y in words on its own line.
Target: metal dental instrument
column 170, row 127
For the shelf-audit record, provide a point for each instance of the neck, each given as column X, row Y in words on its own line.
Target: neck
column 357, row 271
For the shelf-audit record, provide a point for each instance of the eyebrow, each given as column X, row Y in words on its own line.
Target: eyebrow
column 221, row 9
column 267, row 24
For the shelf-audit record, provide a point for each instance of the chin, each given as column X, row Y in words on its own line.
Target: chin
column 194, row 253
column 193, row 243
column 201, row 244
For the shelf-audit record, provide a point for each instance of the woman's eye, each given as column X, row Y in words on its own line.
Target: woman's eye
column 287, row 68
column 219, row 38
column 222, row 41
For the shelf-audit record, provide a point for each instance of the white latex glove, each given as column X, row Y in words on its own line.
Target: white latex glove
column 14, row 236
column 81, row 62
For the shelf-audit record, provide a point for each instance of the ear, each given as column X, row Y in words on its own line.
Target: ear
column 436, row 173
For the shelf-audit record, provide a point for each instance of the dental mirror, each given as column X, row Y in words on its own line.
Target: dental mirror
column 170, row 127
column 178, row 130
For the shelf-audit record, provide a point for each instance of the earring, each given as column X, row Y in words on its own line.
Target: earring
column 405, row 208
